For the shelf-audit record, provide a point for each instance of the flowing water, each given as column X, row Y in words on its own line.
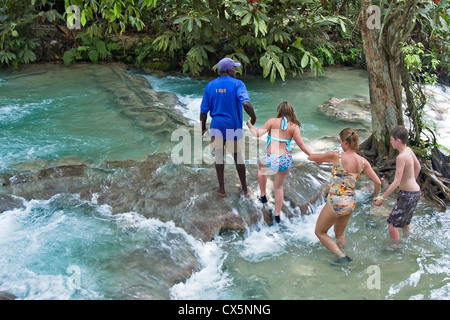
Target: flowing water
column 68, row 248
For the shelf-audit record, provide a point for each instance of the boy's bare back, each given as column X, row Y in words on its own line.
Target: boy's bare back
column 407, row 169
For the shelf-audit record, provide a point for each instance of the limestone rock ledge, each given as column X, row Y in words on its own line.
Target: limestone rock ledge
column 156, row 187
column 353, row 110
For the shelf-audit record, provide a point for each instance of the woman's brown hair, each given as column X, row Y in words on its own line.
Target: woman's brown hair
column 285, row 109
column 351, row 136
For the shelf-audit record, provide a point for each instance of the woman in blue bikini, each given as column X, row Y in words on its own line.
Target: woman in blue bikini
column 278, row 159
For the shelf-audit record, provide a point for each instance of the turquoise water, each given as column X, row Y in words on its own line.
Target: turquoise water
column 306, row 94
column 52, row 114
column 68, row 248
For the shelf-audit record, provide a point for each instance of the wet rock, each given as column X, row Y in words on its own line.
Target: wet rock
column 353, row 110
column 8, row 202
column 156, row 188
column 7, row 296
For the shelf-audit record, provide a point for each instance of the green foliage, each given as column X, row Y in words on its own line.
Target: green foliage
column 425, row 57
column 271, row 63
column 274, row 38
column 413, row 56
column 197, row 33
column 168, row 42
column 93, row 48
column 196, row 58
column 118, row 14
column 260, row 34
column 17, row 38
column 434, row 20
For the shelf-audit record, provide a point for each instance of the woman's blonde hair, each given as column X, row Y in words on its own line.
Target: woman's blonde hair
column 351, row 136
column 285, row 109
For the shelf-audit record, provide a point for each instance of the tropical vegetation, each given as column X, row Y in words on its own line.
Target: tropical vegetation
column 273, row 38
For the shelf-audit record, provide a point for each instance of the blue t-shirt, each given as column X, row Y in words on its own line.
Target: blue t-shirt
column 223, row 99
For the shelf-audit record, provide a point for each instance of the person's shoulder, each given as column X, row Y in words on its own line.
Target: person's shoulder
column 332, row 156
column 360, row 157
column 404, row 156
column 272, row 120
column 363, row 161
column 293, row 125
column 411, row 153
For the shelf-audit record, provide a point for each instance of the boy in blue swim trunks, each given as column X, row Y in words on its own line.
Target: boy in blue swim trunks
column 407, row 169
column 278, row 159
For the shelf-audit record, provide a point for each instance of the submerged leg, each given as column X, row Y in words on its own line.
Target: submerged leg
column 325, row 221
column 339, row 228
column 394, row 234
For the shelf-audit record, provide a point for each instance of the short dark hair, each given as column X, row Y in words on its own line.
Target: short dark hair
column 401, row 133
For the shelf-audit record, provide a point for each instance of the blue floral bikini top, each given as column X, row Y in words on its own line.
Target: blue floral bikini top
column 284, row 125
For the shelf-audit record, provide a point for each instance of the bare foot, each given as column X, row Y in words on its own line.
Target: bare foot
column 245, row 193
column 220, row 193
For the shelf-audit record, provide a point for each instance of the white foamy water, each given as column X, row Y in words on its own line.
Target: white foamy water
column 286, row 256
column 211, row 282
column 437, row 112
column 61, row 258
column 190, row 107
column 46, row 245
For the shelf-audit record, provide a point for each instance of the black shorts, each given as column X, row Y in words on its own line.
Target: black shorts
column 403, row 210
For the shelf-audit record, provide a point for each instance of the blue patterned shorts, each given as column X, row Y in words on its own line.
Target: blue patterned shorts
column 279, row 162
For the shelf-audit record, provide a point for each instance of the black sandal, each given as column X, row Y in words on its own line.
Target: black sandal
column 263, row 199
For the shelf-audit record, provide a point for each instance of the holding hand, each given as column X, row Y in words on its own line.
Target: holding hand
column 378, row 201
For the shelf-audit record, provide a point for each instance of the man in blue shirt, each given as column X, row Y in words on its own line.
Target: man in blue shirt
column 223, row 99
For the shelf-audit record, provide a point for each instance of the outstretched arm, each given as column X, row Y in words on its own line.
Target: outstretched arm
column 203, row 117
column 261, row 130
column 330, row 156
column 399, row 169
column 368, row 170
column 299, row 141
column 250, row 111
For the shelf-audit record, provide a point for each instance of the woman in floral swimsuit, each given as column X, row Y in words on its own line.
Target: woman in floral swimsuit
column 278, row 159
column 347, row 168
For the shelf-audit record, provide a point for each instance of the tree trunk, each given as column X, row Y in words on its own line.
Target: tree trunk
column 385, row 67
column 388, row 76
column 384, row 87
